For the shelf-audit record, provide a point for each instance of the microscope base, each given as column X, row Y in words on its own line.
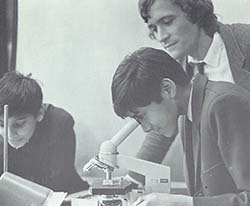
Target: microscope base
column 121, row 188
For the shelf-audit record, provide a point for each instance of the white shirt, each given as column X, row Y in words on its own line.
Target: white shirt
column 189, row 111
column 216, row 66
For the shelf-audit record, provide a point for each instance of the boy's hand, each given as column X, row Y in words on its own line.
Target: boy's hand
column 163, row 199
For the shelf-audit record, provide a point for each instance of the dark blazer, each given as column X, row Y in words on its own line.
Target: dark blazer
column 236, row 38
column 217, row 150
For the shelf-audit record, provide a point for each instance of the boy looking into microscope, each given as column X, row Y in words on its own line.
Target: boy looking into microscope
column 151, row 87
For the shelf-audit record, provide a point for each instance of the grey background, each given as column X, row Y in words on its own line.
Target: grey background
column 74, row 46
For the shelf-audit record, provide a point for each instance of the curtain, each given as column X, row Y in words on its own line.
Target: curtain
column 8, row 35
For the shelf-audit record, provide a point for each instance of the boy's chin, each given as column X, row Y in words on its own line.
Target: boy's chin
column 17, row 146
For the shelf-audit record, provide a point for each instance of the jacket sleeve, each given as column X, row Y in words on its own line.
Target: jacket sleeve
column 154, row 149
column 65, row 177
column 230, row 125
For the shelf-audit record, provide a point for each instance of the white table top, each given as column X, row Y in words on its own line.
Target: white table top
column 89, row 202
column 84, row 202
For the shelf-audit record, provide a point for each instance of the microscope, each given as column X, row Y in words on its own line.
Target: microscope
column 112, row 190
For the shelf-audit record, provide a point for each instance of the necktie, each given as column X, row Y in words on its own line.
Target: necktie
column 191, row 66
column 200, row 67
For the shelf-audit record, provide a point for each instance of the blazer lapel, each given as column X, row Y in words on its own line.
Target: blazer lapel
column 199, row 84
column 189, row 133
column 198, row 95
column 186, row 135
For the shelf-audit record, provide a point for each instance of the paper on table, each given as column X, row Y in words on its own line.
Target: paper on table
column 56, row 199
column 81, row 194
column 81, row 202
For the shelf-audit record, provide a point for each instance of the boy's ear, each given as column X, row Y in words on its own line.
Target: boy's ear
column 40, row 114
column 168, row 88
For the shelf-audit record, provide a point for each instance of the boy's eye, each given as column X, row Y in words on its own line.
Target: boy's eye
column 18, row 124
column 167, row 21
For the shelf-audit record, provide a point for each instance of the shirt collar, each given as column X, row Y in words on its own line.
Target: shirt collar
column 214, row 52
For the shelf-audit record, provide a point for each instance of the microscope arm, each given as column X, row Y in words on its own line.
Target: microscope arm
column 106, row 159
column 124, row 132
column 108, row 150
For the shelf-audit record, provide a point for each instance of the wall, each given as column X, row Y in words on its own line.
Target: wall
column 73, row 48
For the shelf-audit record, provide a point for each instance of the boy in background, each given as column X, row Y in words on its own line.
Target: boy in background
column 41, row 136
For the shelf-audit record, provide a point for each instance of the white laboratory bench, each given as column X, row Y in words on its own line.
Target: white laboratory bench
column 176, row 188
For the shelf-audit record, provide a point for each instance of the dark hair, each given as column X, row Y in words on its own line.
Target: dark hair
column 22, row 94
column 200, row 12
column 137, row 80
